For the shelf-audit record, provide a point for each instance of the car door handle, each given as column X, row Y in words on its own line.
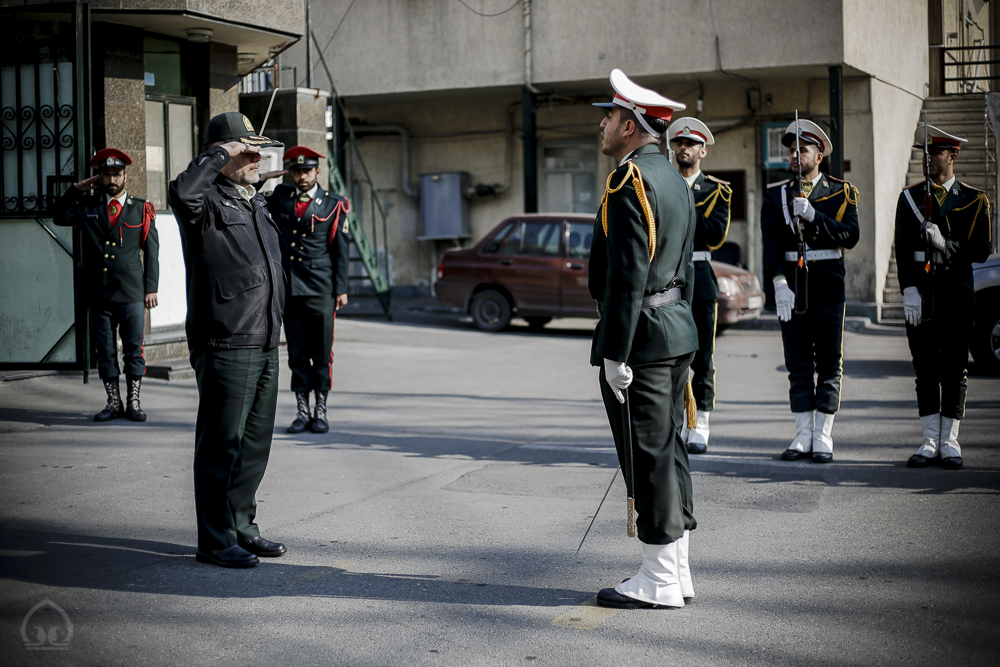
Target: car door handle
column 506, row 262
column 575, row 267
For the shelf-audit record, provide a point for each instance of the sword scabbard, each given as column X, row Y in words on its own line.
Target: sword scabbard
column 631, row 518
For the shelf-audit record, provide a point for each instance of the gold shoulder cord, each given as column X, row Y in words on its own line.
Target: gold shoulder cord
column 980, row 201
column 640, row 191
column 848, row 191
column 726, row 194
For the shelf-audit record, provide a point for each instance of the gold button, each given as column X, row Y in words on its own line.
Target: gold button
column 105, row 256
column 107, row 242
column 112, row 256
column 293, row 245
column 105, row 269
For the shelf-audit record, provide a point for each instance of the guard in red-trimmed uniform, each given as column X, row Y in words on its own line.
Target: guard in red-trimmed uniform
column 118, row 283
column 316, row 244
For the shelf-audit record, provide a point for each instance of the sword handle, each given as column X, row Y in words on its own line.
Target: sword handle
column 630, row 530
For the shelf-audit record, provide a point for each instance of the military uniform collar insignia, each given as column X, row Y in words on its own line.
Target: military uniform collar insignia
column 697, row 186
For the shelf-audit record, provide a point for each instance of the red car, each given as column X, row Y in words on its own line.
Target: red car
column 535, row 266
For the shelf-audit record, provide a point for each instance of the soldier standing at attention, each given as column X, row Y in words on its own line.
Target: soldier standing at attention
column 317, row 246
column 939, row 300
column 822, row 222
column 690, row 139
column 642, row 277
column 115, row 227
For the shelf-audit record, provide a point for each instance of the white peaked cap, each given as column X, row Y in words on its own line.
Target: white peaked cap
column 937, row 138
column 642, row 101
column 810, row 133
column 690, row 128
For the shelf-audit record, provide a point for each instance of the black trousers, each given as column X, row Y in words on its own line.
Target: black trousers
column 237, row 396
column 309, row 332
column 940, row 350
column 703, row 366
column 664, row 500
column 814, row 357
column 127, row 318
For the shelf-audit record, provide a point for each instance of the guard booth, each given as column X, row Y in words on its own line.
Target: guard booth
column 45, row 95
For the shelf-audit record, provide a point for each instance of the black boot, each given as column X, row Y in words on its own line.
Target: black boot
column 132, row 409
column 319, row 424
column 302, row 419
column 113, row 409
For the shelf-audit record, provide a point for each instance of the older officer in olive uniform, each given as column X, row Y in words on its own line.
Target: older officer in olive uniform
column 935, row 258
column 690, row 139
column 642, row 277
column 313, row 224
column 115, row 226
column 236, row 294
column 824, row 219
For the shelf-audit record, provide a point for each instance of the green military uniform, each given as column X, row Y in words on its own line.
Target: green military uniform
column 711, row 203
column 633, row 258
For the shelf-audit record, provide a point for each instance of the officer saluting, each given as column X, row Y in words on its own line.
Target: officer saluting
column 115, row 226
column 940, row 233
column 642, row 277
column 805, row 234
column 316, row 247
column 690, row 139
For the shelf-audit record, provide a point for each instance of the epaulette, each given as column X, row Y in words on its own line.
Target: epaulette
column 971, row 187
column 774, row 185
column 835, row 179
column 716, row 180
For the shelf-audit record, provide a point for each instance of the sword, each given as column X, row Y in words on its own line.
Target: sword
column 593, row 518
column 627, row 466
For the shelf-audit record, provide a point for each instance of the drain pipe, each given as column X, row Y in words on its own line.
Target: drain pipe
column 404, row 136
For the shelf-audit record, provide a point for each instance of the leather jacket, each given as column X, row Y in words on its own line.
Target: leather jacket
column 232, row 256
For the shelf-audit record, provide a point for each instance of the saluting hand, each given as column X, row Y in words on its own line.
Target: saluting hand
column 234, row 148
column 88, row 183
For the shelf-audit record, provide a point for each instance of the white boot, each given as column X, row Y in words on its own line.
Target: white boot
column 932, row 435
column 684, row 569
column 657, row 580
column 950, row 450
column 802, row 444
column 699, row 435
column 822, row 442
column 685, row 433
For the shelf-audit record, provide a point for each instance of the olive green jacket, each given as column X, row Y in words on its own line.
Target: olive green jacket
column 622, row 271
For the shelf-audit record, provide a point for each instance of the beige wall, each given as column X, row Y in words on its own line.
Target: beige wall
column 877, row 34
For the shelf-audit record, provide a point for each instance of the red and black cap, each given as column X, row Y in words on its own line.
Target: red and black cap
column 302, row 157
column 110, row 158
column 234, row 126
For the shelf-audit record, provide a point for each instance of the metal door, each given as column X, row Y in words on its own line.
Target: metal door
column 45, row 94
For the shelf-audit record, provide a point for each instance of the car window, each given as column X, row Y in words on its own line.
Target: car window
column 494, row 243
column 541, row 239
column 580, row 237
column 512, row 246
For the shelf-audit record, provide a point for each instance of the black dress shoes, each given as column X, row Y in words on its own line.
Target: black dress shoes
column 609, row 597
column 264, row 548
column 918, row 461
column 109, row 412
column 794, row 455
column 234, row 556
column 822, row 457
column 299, row 424
column 697, row 448
column 951, row 462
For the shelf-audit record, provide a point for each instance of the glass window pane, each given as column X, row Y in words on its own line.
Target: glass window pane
column 156, row 180
column 541, row 239
column 580, row 238
column 181, row 121
column 558, row 193
column 497, row 239
column 513, row 244
column 584, row 193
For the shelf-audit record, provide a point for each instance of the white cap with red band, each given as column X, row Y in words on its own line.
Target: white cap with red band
column 690, row 128
column 810, row 133
column 641, row 101
column 937, row 138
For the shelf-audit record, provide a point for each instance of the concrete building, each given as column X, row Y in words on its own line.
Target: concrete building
column 442, row 86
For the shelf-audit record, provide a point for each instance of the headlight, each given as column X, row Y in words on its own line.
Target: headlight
column 729, row 286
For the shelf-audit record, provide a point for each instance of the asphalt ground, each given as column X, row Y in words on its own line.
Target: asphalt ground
column 437, row 523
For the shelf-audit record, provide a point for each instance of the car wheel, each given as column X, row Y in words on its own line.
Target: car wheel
column 985, row 346
column 537, row 321
column 491, row 310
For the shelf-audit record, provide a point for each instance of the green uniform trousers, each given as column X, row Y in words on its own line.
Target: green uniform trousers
column 309, row 331
column 237, row 397
column 664, row 502
column 705, row 313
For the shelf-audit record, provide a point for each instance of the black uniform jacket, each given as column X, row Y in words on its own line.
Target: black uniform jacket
column 112, row 268
column 711, row 203
column 964, row 221
column 622, row 271
column 232, row 254
column 835, row 226
column 316, row 247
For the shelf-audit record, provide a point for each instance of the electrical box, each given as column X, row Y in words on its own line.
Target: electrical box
column 444, row 210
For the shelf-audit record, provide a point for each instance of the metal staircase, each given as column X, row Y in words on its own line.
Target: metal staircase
column 963, row 116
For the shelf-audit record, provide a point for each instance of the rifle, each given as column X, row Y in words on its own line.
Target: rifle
column 927, row 284
column 801, row 267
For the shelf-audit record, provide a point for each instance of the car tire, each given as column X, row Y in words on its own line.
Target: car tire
column 537, row 321
column 491, row 311
column 985, row 345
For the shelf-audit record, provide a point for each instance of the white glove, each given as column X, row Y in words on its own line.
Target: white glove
column 912, row 306
column 934, row 236
column 619, row 376
column 803, row 209
column 784, row 298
